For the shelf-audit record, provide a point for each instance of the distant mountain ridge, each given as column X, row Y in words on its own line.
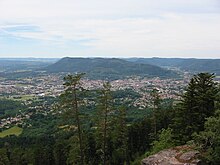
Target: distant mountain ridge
column 8, row 65
column 190, row 64
column 108, row 68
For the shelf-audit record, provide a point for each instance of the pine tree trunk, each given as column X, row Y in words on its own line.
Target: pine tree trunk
column 105, row 132
column 79, row 129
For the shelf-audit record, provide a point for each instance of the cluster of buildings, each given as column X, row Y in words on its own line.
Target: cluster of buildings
column 17, row 120
column 46, row 85
column 52, row 85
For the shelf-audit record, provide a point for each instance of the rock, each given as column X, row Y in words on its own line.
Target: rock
column 188, row 155
column 181, row 155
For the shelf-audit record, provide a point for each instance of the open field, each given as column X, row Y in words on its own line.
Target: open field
column 11, row 131
column 25, row 97
column 19, row 98
column 20, row 85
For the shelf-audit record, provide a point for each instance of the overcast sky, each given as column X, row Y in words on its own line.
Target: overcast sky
column 110, row 28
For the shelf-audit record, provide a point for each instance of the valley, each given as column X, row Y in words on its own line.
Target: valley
column 33, row 106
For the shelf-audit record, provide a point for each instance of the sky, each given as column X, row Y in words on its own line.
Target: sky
column 110, row 28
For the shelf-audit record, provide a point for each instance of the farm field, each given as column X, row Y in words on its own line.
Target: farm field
column 11, row 131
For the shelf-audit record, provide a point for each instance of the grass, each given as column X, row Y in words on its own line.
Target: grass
column 19, row 97
column 21, row 85
column 26, row 97
column 11, row 131
column 23, row 97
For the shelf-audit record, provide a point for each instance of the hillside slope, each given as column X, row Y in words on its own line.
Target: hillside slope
column 191, row 64
column 108, row 68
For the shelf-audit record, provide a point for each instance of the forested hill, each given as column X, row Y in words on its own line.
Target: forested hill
column 16, row 64
column 110, row 68
column 190, row 64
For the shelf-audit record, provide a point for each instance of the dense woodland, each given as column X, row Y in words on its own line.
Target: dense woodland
column 108, row 68
column 96, row 127
column 189, row 64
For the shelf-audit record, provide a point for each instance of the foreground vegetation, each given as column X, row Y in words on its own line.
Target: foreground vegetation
column 96, row 127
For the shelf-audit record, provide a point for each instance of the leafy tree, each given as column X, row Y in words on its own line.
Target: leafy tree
column 18, row 157
column 10, row 107
column 209, row 139
column 3, row 157
column 165, row 141
column 217, row 101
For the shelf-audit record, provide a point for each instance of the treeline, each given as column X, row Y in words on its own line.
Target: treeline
column 10, row 107
column 106, row 137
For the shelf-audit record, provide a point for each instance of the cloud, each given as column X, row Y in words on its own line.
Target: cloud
column 40, row 9
column 156, row 37
column 113, row 28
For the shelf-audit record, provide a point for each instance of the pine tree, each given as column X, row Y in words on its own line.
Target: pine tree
column 155, row 99
column 71, row 100
column 120, row 137
column 206, row 92
column 103, row 121
column 196, row 105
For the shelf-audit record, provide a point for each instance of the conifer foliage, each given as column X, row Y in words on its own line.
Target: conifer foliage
column 197, row 104
column 72, row 100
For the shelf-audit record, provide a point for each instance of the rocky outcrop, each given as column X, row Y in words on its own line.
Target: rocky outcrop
column 181, row 155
